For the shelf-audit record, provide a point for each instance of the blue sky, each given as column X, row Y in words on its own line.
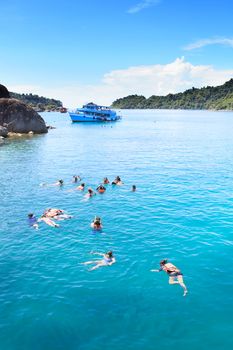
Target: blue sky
column 99, row 50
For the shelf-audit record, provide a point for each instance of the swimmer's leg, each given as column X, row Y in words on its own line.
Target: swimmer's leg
column 97, row 266
column 181, row 283
column 89, row 262
column 172, row 280
column 50, row 222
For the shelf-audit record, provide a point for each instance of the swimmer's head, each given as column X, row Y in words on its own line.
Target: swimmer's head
column 163, row 262
column 109, row 254
column 134, row 188
column 61, row 182
column 83, row 185
column 30, row 215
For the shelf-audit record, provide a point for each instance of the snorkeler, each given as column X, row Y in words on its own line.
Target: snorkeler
column 97, row 223
column 108, row 260
column 117, row 181
column 81, row 187
column 133, row 189
column 76, row 178
column 90, row 193
column 59, row 183
column 106, row 181
column 101, row 189
column 175, row 275
column 32, row 221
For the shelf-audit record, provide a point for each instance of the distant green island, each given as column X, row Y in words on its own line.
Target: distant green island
column 38, row 103
column 218, row 98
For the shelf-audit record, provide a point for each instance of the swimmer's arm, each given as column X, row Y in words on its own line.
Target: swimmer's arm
column 156, row 270
column 96, row 253
column 112, row 262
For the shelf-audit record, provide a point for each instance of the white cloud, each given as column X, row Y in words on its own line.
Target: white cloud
column 157, row 79
column 205, row 42
column 142, row 5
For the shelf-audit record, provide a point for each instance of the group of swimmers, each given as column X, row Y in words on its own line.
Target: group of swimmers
column 90, row 192
column 53, row 214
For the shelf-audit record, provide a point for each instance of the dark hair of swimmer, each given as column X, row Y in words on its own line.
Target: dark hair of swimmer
column 109, row 254
column 97, row 223
column 30, row 215
column 134, row 187
column 90, row 190
column 61, row 182
column 82, row 184
column 163, row 262
column 75, row 177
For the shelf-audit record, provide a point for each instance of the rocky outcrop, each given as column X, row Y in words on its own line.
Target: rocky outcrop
column 17, row 117
column 4, row 93
column 3, row 131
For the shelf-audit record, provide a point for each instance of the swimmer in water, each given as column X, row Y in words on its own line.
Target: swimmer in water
column 81, row 187
column 32, row 221
column 106, row 181
column 57, row 214
column 97, row 224
column 101, row 189
column 76, row 178
column 59, row 183
column 90, row 193
column 133, row 189
column 108, row 260
column 175, row 275
column 117, row 181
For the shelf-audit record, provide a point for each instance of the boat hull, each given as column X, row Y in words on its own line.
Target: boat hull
column 76, row 117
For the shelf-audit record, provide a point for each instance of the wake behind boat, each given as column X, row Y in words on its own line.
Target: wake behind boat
column 94, row 113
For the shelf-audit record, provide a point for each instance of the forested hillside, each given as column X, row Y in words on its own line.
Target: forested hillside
column 38, row 102
column 219, row 97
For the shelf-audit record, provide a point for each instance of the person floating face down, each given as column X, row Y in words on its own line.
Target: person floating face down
column 175, row 275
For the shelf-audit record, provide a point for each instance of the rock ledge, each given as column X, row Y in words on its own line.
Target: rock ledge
column 17, row 117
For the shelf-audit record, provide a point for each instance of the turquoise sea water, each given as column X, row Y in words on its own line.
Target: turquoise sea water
column 181, row 163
